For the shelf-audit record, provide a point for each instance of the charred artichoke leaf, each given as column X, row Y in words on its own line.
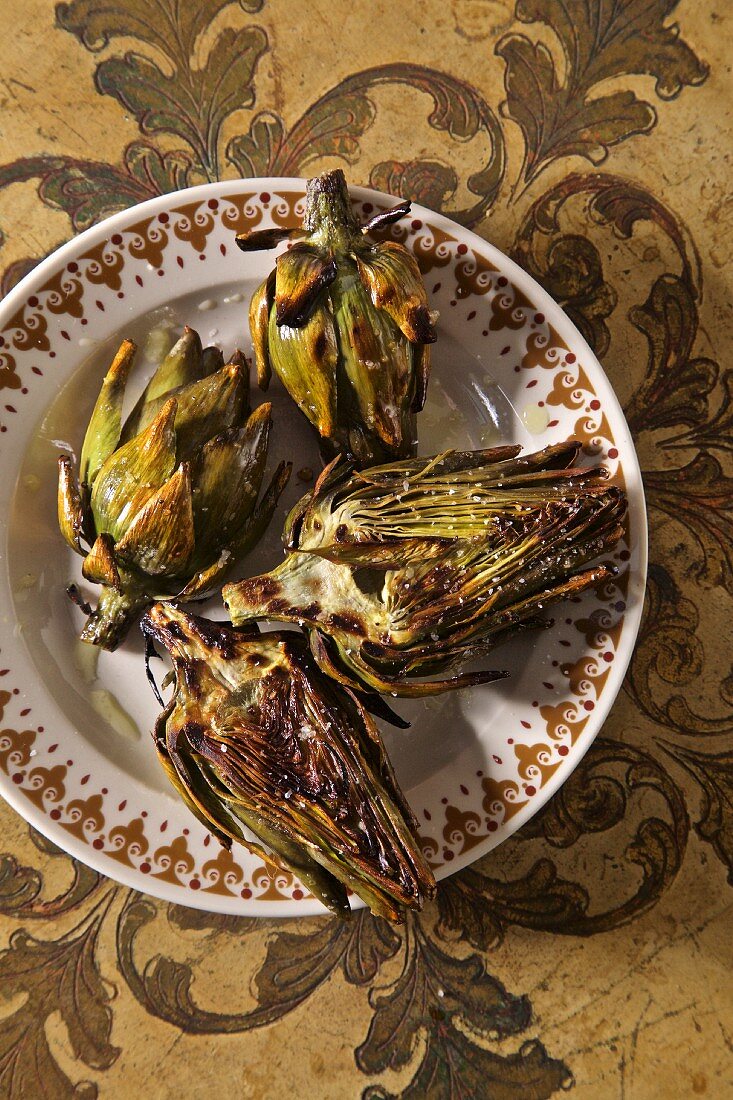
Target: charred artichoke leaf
column 387, row 217
column 70, row 509
column 282, row 749
column 377, row 364
column 385, row 510
column 105, row 424
column 408, row 575
column 344, row 323
column 421, row 370
column 301, row 274
column 392, row 278
column 258, row 240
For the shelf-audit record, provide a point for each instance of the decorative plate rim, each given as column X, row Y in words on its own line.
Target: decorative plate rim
column 55, row 263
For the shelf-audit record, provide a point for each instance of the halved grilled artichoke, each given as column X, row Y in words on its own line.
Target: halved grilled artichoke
column 411, row 569
column 264, row 748
column 167, row 501
column 345, row 325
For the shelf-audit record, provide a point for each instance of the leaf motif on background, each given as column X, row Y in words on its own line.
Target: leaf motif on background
column 668, row 650
column 371, row 943
column 699, row 496
column 158, row 101
column 714, row 433
column 255, row 153
column 568, row 264
column 16, row 271
column 569, row 267
column 714, row 773
column 163, row 985
column 608, row 792
column 538, row 899
column 195, row 100
column 19, row 886
column 296, row 964
column 187, row 919
column 599, row 42
column 21, row 889
column 430, row 1006
column 333, row 125
column 88, row 191
column 454, row 1068
column 425, row 181
column 676, row 387
column 56, row 976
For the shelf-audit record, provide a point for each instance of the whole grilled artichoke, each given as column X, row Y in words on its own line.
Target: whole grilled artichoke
column 345, row 325
column 258, row 741
column 411, row 569
column 168, row 500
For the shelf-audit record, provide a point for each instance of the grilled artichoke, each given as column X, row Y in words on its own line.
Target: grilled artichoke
column 168, row 500
column 345, row 325
column 258, row 741
column 410, row 569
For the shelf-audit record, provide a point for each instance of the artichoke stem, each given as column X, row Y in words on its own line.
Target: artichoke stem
column 115, row 614
column 328, row 210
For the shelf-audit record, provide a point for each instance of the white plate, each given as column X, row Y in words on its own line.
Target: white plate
column 509, row 366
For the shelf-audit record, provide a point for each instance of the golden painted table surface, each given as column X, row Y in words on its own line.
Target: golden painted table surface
column 591, row 140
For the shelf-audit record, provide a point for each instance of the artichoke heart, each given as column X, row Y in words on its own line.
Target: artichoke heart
column 266, row 750
column 167, row 500
column 344, row 323
column 412, row 569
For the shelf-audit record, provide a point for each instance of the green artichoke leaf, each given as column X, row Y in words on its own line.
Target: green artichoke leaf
column 293, row 756
column 227, row 478
column 71, row 513
column 213, row 360
column 182, row 365
column 301, row 274
column 259, row 327
column 133, row 472
column 205, row 407
column 305, row 360
column 100, row 565
column 105, row 424
column 160, row 538
column 376, row 362
column 392, row 278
